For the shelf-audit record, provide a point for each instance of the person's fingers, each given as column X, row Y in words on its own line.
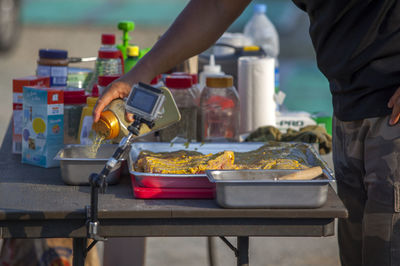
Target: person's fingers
column 394, row 98
column 129, row 117
column 394, row 117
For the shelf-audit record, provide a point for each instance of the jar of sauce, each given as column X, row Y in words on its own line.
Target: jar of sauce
column 54, row 64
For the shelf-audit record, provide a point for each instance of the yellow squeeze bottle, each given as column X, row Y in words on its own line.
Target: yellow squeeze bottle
column 86, row 133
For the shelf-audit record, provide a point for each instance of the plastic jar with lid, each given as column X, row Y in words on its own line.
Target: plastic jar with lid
column 54, row 64
column 74, row 102
column 220, row 109
column 181, row 89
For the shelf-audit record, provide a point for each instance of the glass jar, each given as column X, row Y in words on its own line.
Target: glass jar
column 74, row 101
column 181, row 89
column 220, row 110
column 54, row 64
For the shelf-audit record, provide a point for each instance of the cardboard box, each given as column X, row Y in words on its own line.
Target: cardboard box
column 43, row 125
column 18, row 85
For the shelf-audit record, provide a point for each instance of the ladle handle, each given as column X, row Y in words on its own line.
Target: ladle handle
column 306, row 174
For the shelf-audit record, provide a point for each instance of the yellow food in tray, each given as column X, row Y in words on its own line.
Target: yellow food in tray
column 192, row 162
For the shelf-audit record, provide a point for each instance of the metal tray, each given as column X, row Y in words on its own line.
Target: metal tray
column 76, row 167
column 297, row 150
column 263, row 189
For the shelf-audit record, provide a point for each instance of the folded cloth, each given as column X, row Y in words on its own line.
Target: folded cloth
column 308, row 134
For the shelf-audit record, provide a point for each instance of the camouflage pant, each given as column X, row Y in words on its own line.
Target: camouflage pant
column 366, row 155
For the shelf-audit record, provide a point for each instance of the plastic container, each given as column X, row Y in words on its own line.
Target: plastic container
column 220, row 110
column 79, row 77
column 74, row 102
column 210, row 69
column 86, row 133
column 132, row 57
column 54, row 64
column 262, row 32
column 109, row 60
column 181, row 89
column 104, row 81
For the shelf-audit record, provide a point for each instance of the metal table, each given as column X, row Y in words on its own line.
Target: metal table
column 34, row 203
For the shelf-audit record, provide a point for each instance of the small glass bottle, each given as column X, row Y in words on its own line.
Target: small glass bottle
column 220, row 110
column 181, row 89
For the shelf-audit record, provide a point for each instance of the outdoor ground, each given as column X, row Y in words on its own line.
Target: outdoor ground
column 84, row 41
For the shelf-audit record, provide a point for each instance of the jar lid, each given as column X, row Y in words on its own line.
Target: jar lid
column 74, row 96
column 109, row 54
column 108, row 39
column 178, row 82
column 53, row 54
column 105, row 80
column 219, row 81
column 194, row 76
column 155, row 80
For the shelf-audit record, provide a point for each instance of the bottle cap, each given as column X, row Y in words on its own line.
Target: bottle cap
column 212, row 67
column 178, row 82
column 219, row 81
column 108, row 125
column 155, row 80
column 133, row 50
column 73, row 96
column 53, row 54
column 260, row 8
column 106, row 80
column 108, row 39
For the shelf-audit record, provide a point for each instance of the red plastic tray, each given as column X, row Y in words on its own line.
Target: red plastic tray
column 172, row 193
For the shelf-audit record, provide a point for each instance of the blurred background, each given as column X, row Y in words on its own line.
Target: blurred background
column 76, row 25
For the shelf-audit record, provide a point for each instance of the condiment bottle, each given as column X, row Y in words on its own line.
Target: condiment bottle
column 54, row 64
column 86, row 135
column 219, row 107
column 181, row 89
column 112, row 123
column 74, row 102
column 133, row 57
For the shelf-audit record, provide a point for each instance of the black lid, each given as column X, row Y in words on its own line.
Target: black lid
column 53, row 54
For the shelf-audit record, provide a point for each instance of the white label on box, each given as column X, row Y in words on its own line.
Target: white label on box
column 293, row 122
column 55, row 109
column 18, row 97
column 17, row 120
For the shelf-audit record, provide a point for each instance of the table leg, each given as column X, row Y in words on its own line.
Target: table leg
column 243, row 251
column 212, row 249
column 79, row 245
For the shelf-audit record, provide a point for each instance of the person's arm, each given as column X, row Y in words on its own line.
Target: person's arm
column 394, row 103
column 197, row 27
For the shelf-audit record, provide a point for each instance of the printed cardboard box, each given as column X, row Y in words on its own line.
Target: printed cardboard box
column 43, row 122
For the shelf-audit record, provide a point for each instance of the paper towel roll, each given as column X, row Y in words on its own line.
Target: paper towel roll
column 256, row 85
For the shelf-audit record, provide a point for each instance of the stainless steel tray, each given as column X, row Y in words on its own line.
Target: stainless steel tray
column 263, row 189
column 76, row 167
column 302, row 151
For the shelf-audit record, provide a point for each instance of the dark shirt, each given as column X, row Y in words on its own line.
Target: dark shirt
column 357, row 43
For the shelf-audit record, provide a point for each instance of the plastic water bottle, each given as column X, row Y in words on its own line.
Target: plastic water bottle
column 261, row 30
column 263, row 33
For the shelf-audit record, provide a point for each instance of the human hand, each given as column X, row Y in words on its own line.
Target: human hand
column 394, row 103
column 120, row 88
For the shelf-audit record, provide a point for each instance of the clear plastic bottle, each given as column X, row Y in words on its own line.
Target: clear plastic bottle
column 181, row 89
column 262, row 32
column 74, row 102
column 109, row 60
column 220, row 109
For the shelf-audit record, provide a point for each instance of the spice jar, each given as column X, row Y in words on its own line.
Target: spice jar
column 181, row 89
column 219, row 107
column 74, row 101
column 54, row 64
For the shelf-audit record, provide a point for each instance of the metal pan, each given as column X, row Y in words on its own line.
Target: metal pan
column 305, row 151
column 264, row 189
column 76, row 167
